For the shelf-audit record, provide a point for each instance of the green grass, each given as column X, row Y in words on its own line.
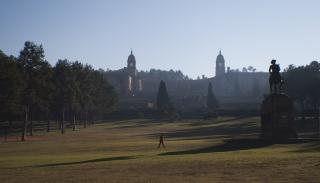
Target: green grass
column 222, row 150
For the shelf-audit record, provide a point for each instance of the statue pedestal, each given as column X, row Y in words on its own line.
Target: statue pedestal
column 277, row 118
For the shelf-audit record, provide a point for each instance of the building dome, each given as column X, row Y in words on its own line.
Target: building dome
column 131, row 65
column 220, row 64
column 220, row 58
column 131, row 58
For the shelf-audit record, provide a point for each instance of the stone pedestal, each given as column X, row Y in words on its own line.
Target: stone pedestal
column 277, row 118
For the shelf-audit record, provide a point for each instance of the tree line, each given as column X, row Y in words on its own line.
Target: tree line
column 31, row 89
column 303, row 85
column 163, row 75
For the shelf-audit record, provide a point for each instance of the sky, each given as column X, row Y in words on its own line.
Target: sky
column 181, row 35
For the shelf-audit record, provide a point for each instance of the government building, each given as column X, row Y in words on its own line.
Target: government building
column 234, row 90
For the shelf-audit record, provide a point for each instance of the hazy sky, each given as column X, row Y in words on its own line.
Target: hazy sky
column 165, row 34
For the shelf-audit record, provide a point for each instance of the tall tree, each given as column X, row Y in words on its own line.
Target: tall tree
column 296, row 85
column 86, row 87
column 76, row 92
column 30, row 87
column 10, row 88
column 31, row 60
column 103, row 95
column 303, row 84
column 314, row 86
column 163, row 101
column 63, row 81
column 212, row 102
column 44, row 92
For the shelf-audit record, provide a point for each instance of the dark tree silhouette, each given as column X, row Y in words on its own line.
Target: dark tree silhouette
column 32, row 89
column 163, row 75
column 212, row 102
column 314, row 85
column 87, row 92
column 31, row 60
column 163, row 101
column 103, row 95
column 303, row 84
column 44, row 93
column 76, row 72
column 63, row 82
column 11, row 85
column 164, row 105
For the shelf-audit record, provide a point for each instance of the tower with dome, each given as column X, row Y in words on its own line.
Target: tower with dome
column 134, row 84
column 220, row 65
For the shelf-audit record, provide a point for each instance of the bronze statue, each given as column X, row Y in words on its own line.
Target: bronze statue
column 275, row 79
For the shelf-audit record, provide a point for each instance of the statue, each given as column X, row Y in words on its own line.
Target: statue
column 277, row 111
column 275, row 78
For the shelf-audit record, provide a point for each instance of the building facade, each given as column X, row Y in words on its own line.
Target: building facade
column 232, row 88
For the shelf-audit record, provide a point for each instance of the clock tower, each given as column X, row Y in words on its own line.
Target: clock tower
column 134, row 83
column 131, row 65
column 220, row 64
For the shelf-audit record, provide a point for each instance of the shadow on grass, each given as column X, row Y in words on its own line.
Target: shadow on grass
column 228, row 145
column 244, row 128
column 312, row 146
column 134, row 124
column 89, row 161
column 216, row 121
column 126, row 126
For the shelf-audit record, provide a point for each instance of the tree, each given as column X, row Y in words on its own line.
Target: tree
column 10, row 88
column 212, row 102
column 314, row 86
column 76, row 92
column 244, row 69
column 31, row 88
column 251, row 69
column 86, row 87
column 303, row 84
column 296, row 85
column 64, row 84
column 44, row 93
column 31, row 60
column 163, row 75
column 163, row 101
column 103, row 95
column 164, row 105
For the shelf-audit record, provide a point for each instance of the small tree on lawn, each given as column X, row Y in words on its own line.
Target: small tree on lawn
column 212, row 102
column 163, row 100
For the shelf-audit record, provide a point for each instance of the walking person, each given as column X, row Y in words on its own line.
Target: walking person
column 161, row 141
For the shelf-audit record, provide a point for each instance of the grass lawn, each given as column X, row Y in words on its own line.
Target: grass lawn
column 221, row 150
